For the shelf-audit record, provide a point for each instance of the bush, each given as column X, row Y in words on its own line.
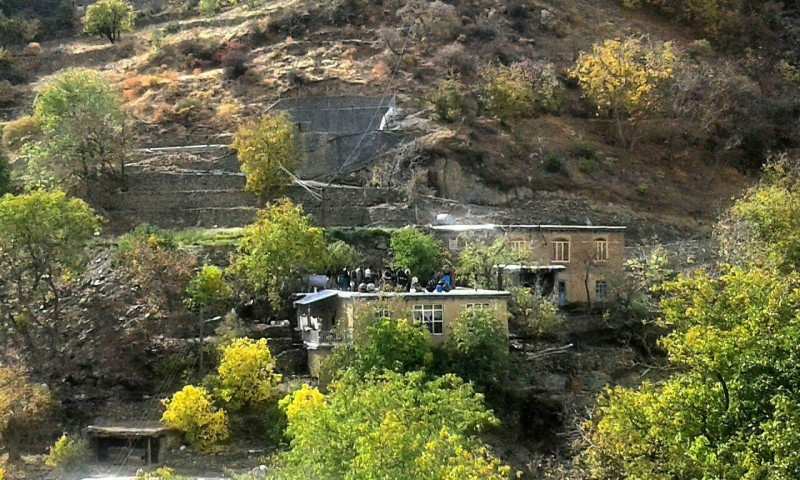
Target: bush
column 246, row 377
column 233, row 60
column 159, row 474
column 268, row 151
column 554, row 163
column 431, row 19
column 419, row 252
column 208, row 8
column 18, row 29
column 67, row 454
column 18, row 132
column 586, row 166
column 447, row 100
column 191, row 413
column 23, row 404
column 478, row 348
column 109, row 18
column 520, row 90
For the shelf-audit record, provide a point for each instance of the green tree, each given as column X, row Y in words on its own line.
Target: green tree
column 388, row 426
column 478, row 259
column 277, row 250
column 478, row 347
column 417, row 251
column 447, row 100
column 627, row 79
column 83, row 129
column 729, row 411
column 42, row 240
column 269, row 152
column 109, row 18
column 535, row 315
column 5, row 175
column 208, row 292
column 340, row 256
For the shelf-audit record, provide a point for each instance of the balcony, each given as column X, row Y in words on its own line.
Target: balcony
column 325, row 338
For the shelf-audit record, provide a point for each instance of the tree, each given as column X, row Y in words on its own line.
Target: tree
column 246, row 377
column 109, row 18
column 388, row 426
column 626, row 78
column 42, row 240
column 477, row 262
column 277, row 250
column 208, row 294
column 341, row 256
column 22, row 404
column 535, row 315
column 269, row 152
column 5, row 175
column 417, row 251
column 478, row 348
column 729, row 410
column 83, row 130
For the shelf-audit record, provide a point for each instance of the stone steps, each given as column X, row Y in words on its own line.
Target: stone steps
column 166, row 181
column 139, row 200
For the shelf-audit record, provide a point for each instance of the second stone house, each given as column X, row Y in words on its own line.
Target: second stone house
column 579, row 263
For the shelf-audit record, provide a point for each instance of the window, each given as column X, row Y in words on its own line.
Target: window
column 470, row 306
column 518, row 246
column 561, row 251
column 601, row 291
column 432, row 316
column 601, row 250
column 452, row 244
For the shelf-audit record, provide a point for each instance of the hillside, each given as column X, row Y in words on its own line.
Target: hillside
column 404, row 110
column 562, row 166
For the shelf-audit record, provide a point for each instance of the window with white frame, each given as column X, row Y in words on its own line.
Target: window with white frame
column 561, row 251
column 601, row 250
column 518, row 246
column 601, row 291
column 432, row 316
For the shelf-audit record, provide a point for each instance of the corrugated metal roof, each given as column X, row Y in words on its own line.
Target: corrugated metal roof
column 316, row 297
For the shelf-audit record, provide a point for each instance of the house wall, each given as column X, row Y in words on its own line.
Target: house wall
column 582, row 256
column 452, row 307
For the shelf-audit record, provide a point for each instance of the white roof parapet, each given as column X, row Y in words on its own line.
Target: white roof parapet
column 493, row 226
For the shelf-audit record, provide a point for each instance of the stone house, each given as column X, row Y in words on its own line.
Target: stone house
column 327, row 318
column 580, row 263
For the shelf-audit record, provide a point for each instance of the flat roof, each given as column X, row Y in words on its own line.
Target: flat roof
column 530, row 267
column 456, row 292
column 555, row 228
column 315, row 297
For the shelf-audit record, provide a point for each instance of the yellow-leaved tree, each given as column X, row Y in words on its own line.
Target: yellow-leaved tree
column 626, row 78
column 269, row 152
column 191, row 412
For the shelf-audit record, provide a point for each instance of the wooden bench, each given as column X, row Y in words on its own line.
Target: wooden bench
column 149, row 438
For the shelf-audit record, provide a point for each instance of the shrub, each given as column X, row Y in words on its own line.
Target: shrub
column 246, row 376
column 22, row 405
column 431, row 19
column 159, row 474
column 109, row 18
column 269, row 152
column 586, row 166
column 520, row 90
column 18, row 132
column 554, row 163
column 417, row 251
column 18, row 29
column 191, row 413
column 478, row 347
column 641, row 189
column 208, row 8
column 233, row 60
column 447, row 100
column 67, row 454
